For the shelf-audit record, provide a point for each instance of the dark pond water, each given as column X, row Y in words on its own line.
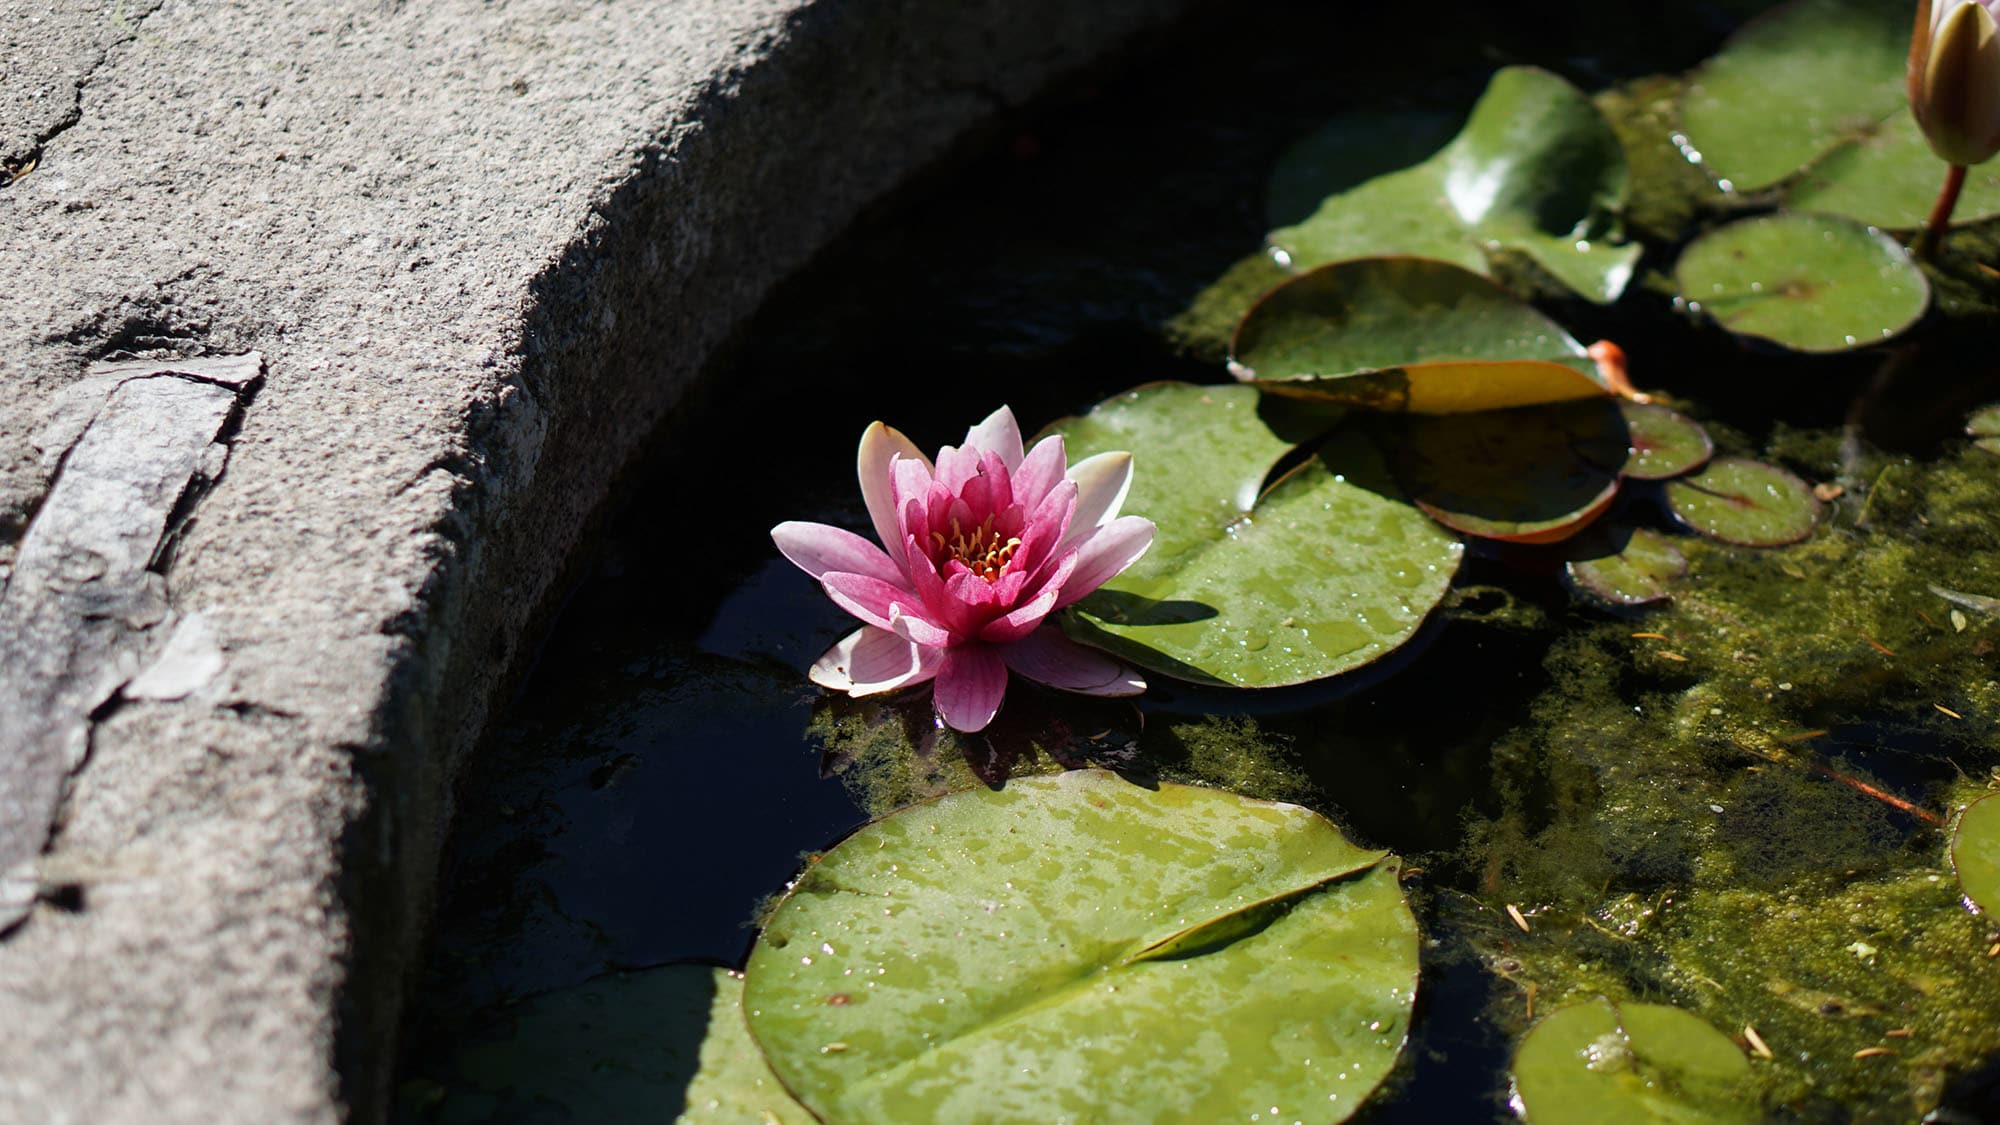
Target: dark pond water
column 657, row 779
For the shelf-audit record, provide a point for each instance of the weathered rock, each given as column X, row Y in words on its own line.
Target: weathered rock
column 483, row 249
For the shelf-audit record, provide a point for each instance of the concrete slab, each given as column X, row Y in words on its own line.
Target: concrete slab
column 483, row 248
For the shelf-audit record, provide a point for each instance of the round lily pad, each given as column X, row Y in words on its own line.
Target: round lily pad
column 1984, row 428
column 1975, row 853
column 1596, row 1062
column 1889, row 178
column 1409, row 334
column 1528, row 475
column 639, row 1046
column 1077, row 947
column 1793, row 84
column 1330, row 569
column 1626, row 567
column 1813, row 283
column 1745, row 502
column 1661, row 443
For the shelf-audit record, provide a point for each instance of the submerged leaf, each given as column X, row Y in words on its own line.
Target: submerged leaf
column 1813, row 283
column 1409, row 334
column 1536, row 170
column 1531, row 474
column 1596, row 1062
column 1077, row 947
column 1330, row 569
column 1744, row 502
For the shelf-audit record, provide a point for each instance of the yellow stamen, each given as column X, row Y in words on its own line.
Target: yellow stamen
column 981, row 549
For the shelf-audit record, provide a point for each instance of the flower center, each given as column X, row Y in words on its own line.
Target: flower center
column 981, row 550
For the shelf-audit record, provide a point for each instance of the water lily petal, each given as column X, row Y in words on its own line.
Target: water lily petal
column 910, row 483
column 881, row 447
column 875, row 601
column 956, row 465
column 1101, row 484
column 817, row 548
column 1040, row 470
column 918, row 629
column 869, row 661
column 1104, row 552
column 1028, row 615
column 971, row 681
column 1048, row 527
column 1000, row 434
column 1048, row 657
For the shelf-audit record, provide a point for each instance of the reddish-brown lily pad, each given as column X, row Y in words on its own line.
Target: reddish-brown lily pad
column 1626, row 567
column 1744, row 502
column 1525, row 475
column 1661, row 444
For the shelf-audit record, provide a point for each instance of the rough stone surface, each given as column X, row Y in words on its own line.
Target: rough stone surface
column 483, row 245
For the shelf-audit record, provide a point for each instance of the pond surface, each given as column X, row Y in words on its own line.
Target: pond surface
column 667, row 767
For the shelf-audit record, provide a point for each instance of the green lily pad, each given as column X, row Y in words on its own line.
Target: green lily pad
column 1661, row 443
column 1794, row 84
column 1975, row 853
column 1984, row 428
column 1348, row 151
column 1531, row 474
column 1409, row 334
column 1536, row 170
column 1890, row 178
column 1596, row 1062
column 638, row 1046
column 1076, row 947
column 1628, row 567
column 1744, row 502
column 1813, row 283
column 1328, row 570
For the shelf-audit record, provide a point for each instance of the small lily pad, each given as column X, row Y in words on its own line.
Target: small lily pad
column 1626, row 567
column 1889, row 178
column 1536, row 170
column 1812, row 283
column 1330, row 569
column 1409, row 334
column 1744, row 502
column 1975, row 853
column 1077, row 947
column 1793, row 84
column 1662, row 443
column 1596, row 1062
column 1527, row 475
column 1984, row 428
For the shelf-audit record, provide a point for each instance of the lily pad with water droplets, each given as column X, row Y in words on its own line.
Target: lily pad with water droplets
column 1625, row 567
column 1329, row 569
column 1531, row 474
column 1409, row 334
column 639, row 1046
column 1597, row 1062
column 1813, row 283
column 1744, row 502
column 1077, row 947
column 1661, row 443
column 1794, row 84
column 1536, row 170
column 1975, row 853
column 1984, row 428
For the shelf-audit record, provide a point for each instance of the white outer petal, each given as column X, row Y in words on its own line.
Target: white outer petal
column 1101, row 484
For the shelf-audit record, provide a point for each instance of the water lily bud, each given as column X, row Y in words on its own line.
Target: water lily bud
column 1954, row 78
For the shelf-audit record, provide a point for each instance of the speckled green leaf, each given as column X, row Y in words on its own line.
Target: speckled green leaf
column 1409, row 334
column 1744, row 502
column 1536, row 170
column 1348, row 151
column 1625, row 567
column 1890, row 178
column 1984, row 428
column 1794, row 84
column 1813, row 283
column 1660, row 443
column 1531, row 474
column 1596, row 1062
column 1975, row 853
column 640, row 1046
column 1327, row 571
column 1080, row 948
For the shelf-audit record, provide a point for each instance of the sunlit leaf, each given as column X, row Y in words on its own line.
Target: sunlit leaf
column 1984, row 428
column 1975, row 853
column 1744, row 502
column 1597, row 1062
column 1348, row 151
column 1813, row 283
column 1079, row 948
column 1890, row 178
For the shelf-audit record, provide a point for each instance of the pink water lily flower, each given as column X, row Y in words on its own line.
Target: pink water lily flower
column 977, row 551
